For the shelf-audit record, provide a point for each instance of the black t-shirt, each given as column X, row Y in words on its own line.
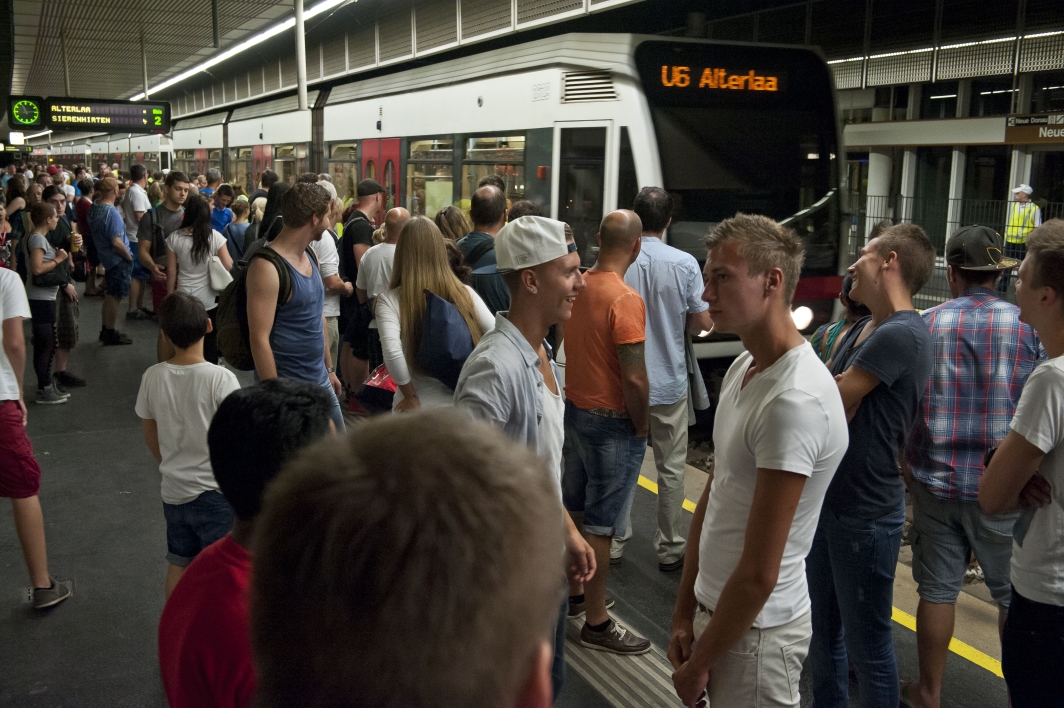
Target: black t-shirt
column 357, row 230
column 899, row 353
column 256, row 194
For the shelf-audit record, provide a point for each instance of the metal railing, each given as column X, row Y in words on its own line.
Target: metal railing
column 939, row 218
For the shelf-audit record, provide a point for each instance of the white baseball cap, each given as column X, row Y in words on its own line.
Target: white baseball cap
column 527, row 242
column 1025, row 188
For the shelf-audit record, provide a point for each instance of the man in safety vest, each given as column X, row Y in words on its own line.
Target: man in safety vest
column 1023, row 217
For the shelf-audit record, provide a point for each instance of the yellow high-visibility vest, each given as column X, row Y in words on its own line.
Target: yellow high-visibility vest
column 1021, row 221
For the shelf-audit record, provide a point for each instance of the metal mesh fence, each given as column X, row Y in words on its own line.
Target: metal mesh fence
column 939, row 218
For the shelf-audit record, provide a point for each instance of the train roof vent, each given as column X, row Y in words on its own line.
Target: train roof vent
column 587, row 86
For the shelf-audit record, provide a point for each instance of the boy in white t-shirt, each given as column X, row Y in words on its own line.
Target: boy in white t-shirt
column 779, row 434
column 177, row 401
column 1027, row 473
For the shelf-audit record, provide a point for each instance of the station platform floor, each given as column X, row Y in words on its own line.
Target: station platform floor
column 105, row 529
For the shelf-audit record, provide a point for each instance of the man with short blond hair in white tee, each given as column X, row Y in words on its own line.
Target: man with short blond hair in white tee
column 1026, row 474
column 779, row 434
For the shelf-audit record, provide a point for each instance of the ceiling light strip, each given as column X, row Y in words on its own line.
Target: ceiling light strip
column 242, row 47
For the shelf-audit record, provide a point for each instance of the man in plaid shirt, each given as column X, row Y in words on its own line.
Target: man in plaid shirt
column 982, row 357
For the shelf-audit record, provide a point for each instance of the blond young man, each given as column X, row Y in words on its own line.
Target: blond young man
column 779, row 434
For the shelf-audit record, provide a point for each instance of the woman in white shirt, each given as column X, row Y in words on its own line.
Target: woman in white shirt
column 189, row 251
column 421, row 264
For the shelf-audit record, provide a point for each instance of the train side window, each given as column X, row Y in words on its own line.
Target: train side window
column 371, row 170
column 389, row 183
column 430, row 176
column 343, row 166
column 582, row 177
column 503, row 156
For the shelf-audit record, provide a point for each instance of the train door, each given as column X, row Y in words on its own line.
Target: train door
column 262, row 157
column 582, row 191
column 380, row 161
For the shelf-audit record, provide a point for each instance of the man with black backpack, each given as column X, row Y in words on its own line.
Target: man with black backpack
column 287, row 335
column 488, row 212
column 156, row 224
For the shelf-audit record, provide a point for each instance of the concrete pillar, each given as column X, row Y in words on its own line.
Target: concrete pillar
column 1024, row 88
column 878, row 204
column 301, row 57
column 912, row 112
column 956, row 190
column 908, row 185
column 1018, row 167
column 964, row 98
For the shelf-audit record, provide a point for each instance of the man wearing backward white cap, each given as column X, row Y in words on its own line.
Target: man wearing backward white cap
column 1024, row 216
column 510, row 380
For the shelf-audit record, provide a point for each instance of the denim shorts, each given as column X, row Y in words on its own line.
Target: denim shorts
column 139, row 271
column 945, row 534
column 117, row 279
column 602, row 457
column 194, row 525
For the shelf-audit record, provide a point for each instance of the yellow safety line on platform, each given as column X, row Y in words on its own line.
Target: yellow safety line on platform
column 688, row 505
column 966, row 651
column 955, row 645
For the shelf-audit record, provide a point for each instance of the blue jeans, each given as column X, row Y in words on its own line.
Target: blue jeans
column 602, row 457
column 337, row 413
column 850, row 569
column 557, row 668
column 1032, row 652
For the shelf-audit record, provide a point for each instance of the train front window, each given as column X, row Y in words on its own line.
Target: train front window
column 743, row 129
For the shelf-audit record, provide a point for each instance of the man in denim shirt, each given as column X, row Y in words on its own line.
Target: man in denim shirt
column 670, row 283
column 510, row 379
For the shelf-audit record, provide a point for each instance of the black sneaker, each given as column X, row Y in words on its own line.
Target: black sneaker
column 149, row 313
column 68, row 380
column 616, row 639
column 137, row 315
column 50, row 596
column 114, row 337
column 673, row 566
column 577, row 609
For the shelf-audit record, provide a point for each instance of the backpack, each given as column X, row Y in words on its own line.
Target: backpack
column 158, row 238
column 234, row 338
column 477, row 253
column 446, row 341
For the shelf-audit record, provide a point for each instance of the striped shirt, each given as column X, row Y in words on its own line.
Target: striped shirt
column 983, row 355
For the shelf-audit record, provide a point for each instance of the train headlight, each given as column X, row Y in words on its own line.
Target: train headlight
column 802, row 317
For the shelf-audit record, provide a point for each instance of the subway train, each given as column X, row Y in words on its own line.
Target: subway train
column 576, row 123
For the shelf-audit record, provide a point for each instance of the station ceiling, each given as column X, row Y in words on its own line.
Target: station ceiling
column 103, row 38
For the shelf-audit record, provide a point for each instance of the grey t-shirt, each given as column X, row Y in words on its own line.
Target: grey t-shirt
column 899, row 352
column 32, row 291
column 164, row 222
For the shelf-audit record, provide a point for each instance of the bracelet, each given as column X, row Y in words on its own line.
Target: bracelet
column 331, row 370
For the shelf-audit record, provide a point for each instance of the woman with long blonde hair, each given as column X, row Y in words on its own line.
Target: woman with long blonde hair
column 421, row 264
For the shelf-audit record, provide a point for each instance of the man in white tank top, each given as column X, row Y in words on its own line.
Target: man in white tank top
column 779, row 433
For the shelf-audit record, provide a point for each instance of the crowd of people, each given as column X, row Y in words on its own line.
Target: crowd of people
column 312, row 566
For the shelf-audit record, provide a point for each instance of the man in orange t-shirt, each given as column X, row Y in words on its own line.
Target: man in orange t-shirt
column 607, row 412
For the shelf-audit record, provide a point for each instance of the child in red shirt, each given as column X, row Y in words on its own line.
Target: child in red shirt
column 204, row 641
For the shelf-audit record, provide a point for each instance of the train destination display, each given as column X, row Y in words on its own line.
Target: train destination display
column 81, row 114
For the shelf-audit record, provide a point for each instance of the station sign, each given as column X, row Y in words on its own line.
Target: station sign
column 61, row 114
column 1033, row 129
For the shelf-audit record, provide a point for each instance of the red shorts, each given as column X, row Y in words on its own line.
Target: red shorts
column 158, row 293
column 20, row 475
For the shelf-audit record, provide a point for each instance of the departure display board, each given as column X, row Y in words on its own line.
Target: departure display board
column 115, row 116
column 80, row 114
